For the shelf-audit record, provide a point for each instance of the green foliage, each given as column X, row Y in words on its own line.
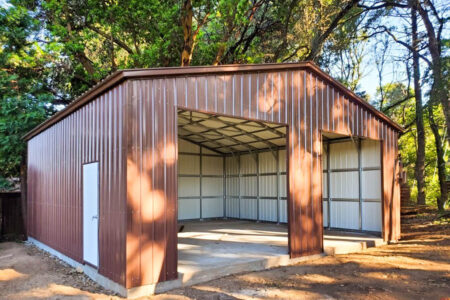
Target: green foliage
column 403, row 112
column 25, row 98
column 53, row 50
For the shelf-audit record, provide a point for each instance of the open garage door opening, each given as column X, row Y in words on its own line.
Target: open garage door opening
column 232, row 195
column 352, row 198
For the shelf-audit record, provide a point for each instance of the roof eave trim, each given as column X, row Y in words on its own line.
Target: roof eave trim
column 90, row 94
column 351, row 94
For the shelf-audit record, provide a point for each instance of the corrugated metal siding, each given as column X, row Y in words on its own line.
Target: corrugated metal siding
column 299, row 98
column 152, row 182
column 55, row 159
column 306, row 103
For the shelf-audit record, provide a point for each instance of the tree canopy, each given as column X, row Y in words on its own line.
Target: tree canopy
column 53, row 50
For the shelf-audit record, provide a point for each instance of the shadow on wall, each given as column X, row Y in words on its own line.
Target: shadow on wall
column 151, row 204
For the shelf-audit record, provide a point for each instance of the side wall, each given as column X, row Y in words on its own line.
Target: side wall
column 55, row 162
column 306, row 103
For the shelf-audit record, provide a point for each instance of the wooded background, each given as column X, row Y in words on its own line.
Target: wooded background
column 52, row 51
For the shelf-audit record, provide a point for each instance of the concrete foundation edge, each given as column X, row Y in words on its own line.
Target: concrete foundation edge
column 88, row 270
column 184, row 280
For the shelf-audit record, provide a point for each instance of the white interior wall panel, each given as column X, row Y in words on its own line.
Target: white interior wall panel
column 255, row 185
column 248, row 186
column 212, row 165
column 344, row 214
column 248, row 209
column 189, row 187
column 344, row 185
column 283, row 211
column 371, row 185
column 248, row 164
column 212, row 187
column 232, row 186
column 346, row 207
column 371, row 212
column 189, row 164
column 212, row 207
column 282, row 160
column 231, row 165
column 325, row 213
column 283, row 186
column 370, row 155
column 188, row 209
column 200, row 191
column 344, row 188
column 324, row 159
column 187, row 147
column 343, row 155
column 267, row 162
column 232, row 207
column 268, row 210
column 268, row 186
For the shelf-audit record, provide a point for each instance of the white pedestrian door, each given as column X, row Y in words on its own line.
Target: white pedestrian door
column 90, row 213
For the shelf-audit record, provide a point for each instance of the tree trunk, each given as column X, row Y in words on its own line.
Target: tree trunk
column 319, row 40
column 420, row 154
column 186, row 23
column 439, row 93
column 440, row 160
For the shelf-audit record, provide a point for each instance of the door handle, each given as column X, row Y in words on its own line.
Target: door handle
column 94, row 217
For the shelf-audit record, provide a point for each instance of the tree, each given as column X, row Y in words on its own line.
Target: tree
column 425, row 48
column 26, row 100
column 420, row 161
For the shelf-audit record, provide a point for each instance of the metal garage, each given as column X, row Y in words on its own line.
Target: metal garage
column 235, row 141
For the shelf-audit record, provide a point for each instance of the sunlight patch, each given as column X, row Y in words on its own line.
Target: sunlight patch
column 10, row 274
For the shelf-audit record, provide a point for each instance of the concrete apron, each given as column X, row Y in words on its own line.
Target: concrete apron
column 214, row 249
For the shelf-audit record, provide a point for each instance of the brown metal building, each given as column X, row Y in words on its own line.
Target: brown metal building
column 128, row 127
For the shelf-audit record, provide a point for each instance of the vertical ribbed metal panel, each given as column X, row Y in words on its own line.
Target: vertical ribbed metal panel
column 148, row 112
column 56, row 156
column 152, row 181
column 308, row 104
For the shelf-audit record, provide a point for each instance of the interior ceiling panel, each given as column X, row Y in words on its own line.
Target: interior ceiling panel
column 227, row 135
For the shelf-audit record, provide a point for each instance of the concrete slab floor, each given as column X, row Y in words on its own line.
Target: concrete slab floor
column 214, row 248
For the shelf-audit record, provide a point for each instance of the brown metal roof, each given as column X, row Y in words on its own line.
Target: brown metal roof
column 121, row 75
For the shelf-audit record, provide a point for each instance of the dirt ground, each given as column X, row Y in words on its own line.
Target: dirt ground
column 418, row 267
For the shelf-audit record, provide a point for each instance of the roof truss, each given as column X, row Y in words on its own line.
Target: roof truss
column 226, row 135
